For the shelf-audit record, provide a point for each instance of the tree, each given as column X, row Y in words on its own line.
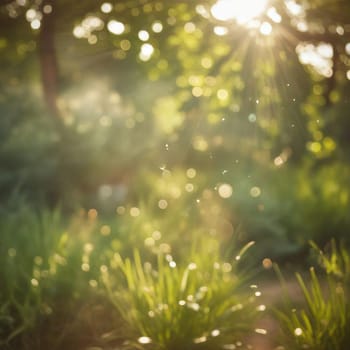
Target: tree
column 269, row 82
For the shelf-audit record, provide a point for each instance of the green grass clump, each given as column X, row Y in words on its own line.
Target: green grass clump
column 169, row 305
column 322, row 322
column 44, row 278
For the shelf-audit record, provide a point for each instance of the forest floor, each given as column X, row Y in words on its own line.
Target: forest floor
column 272, row 295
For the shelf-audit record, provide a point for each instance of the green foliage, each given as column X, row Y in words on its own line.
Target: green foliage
column 322, row 322
column 45, row 278
column 335, row 260
column 172, row 305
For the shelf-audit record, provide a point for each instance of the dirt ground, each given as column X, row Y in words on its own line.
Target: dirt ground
column 272, row 295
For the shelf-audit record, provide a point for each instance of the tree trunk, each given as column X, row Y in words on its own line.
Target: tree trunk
column 48, row 60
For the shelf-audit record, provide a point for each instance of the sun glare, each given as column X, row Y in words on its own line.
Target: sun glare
column 243, row 11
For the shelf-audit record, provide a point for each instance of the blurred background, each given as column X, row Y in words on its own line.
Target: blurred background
column 145, row 145
column 230, row 117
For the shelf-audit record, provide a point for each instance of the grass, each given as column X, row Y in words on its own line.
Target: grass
column 83, row 283
column 200, row 304
column 322, row 322
column 43, row 284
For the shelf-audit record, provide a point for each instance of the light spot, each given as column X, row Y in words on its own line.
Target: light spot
column 79, row 32
column 191, row 173
column 149, row 242
column 201, row 10
column 347, row 48
column 267, row 263
column 189, row 187
column 220, row 30
column 257, row 294
column 193, row 306
column 85, row 267
column 266, row 28
column 120, row 210
column 35, row 24
column 157, row 27
column 189, row 27
column 226, row 267
column 314, row 147
column 115, row 27
column 192, row 266
column 319, row 57
column 215, row 333
column 252, row 118
column 229, row 346
column 206, row 62
column 106, row 7
column 298, row 332
column 222, row 94
column 325, row 50
column 200, row 340
column 182, row 302
column 92, row 214
column 225, row 190
column 156, row 235
column 261, row 307
column 236, row 307
column 92, row 39
column 93, row 283
column 197, row 91
column 104, row 269
column 172, row 264
column 30, row 15
column 144, row 340
column 278, row 161
column 125, row 45
column 146, row 52
column 340, row 30
column 134, row 211
column 255, row 191
column 260, row 331
column 47, row 9
column 216, row 266
column 274, row 15
column 294, row 8
column 105, row 230
column 165, row 248
column 143, row 35
column 200, row 143
column 34, row 282
column 242, row 11
column 105, row 191
column 162, row 204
